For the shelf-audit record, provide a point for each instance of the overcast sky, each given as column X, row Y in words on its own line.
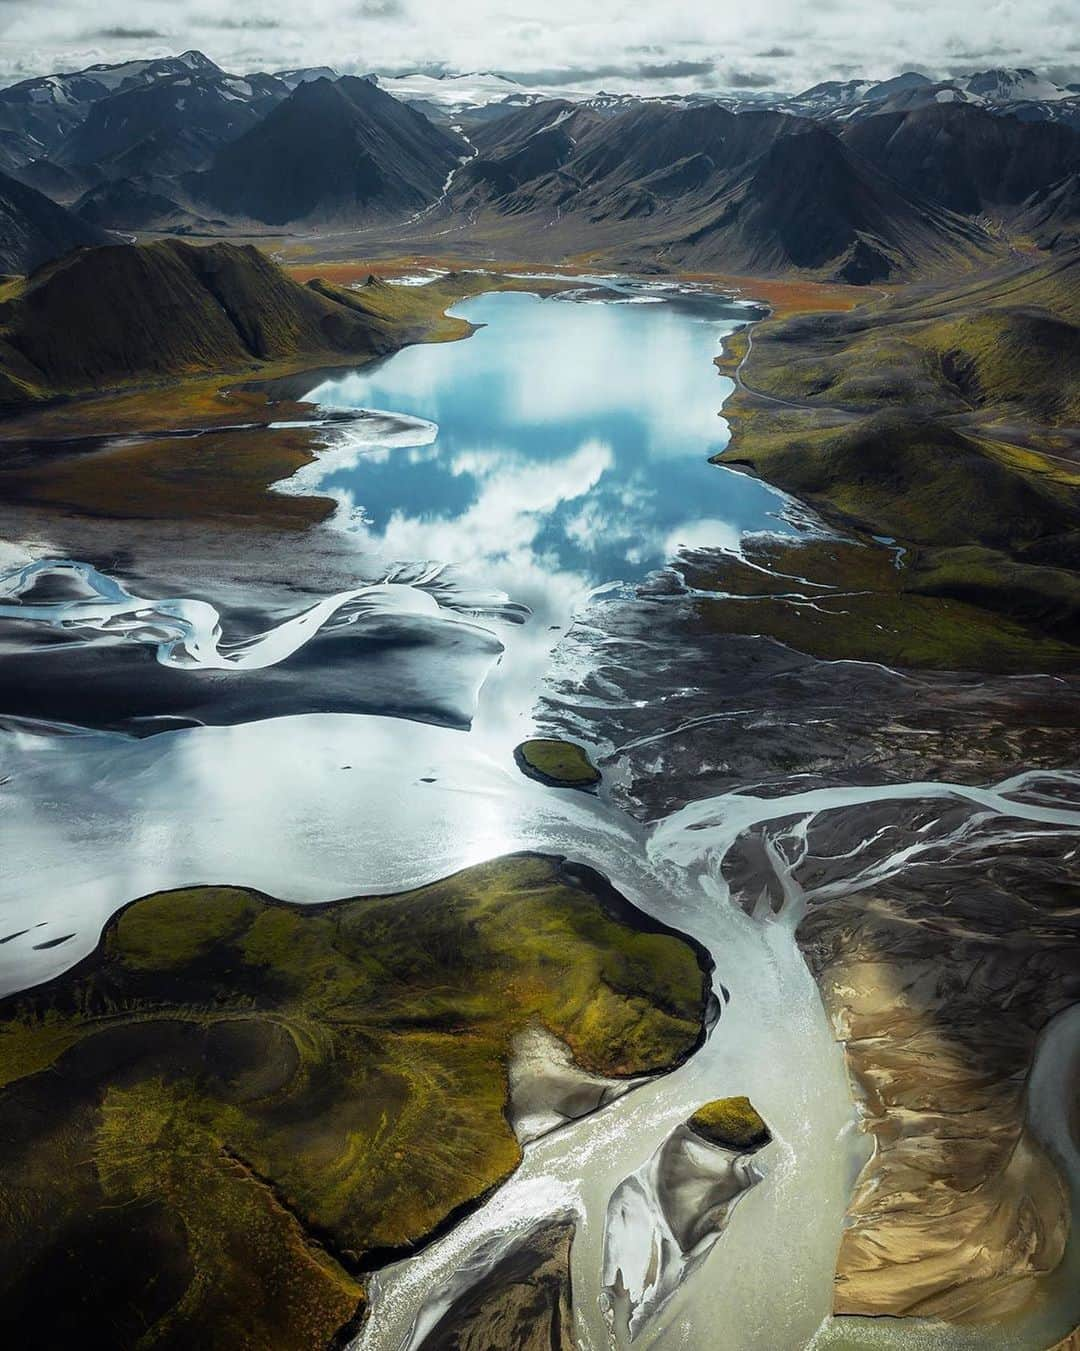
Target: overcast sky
column 662, row 45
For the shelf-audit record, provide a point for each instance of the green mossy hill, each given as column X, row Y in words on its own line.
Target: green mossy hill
column 1051, row 284
column 127, row 314
column 915, row 478
column 1008, row 345
column 732, row 1123
column 946, row 419
column 213, row 1125
column 1046, row 596
column 412, row 312
column 736, row 346
column 561, row 764
column 939, row 610
column 1006, row 359
column 1002, row 360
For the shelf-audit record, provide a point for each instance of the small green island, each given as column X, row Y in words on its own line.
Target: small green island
column 557, row 763
column 731, row 1123
column 213, row 1127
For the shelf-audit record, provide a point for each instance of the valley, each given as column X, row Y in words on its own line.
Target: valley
column 539, row 677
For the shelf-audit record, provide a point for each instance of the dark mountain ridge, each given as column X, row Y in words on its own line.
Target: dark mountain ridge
column 331, row 149
column 1051, row 216
column 807, row 203
column 34, row 229
column 708, row 187
column 197, row 111
column 39, row 113
column 903, row 185
column 108, row 316
column 964, row 157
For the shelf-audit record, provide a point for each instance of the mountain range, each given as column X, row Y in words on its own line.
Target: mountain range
column 34, row 229
column 855, row 180
column 703, row 186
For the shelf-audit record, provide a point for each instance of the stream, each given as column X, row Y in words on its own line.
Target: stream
column 555, row 459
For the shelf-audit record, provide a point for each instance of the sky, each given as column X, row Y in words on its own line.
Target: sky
column 661, row 46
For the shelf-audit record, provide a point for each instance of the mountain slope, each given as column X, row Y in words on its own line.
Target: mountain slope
column 127, row 204
column 34, row 230
column 330, row 150
column 808, row 203
column 38, row 114
column 189, row 114
column 940, row 417
column 1020, row 92
column 122, row 314
column 703, row 186
column 1051, row 217
column 964, row 157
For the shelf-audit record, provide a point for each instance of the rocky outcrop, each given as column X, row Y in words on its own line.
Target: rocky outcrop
column 548, row 1090
column 666, row 1217
column 523, row 1304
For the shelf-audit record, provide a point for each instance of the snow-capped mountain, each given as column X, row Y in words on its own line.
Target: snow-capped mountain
column 1022, row 92
column 305, row 74
column 97, row 82
column 482, row 96
column 171, row 126
column 1012, row 86
column 37, row 114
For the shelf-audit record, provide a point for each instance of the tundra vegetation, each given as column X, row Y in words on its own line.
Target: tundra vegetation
column 213, row 1126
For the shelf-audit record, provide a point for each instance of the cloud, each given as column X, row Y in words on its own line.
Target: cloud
column 631, row 71
column 672, row 47
column 229, row 24
column 674, row 70
column 749, row 79
column 992, row 51
column 120, row 33
column 558, row 75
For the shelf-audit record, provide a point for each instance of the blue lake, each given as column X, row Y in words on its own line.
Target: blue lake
column 572, row 444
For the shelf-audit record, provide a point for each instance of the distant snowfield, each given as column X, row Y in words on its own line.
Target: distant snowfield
column 993, row 89
column 454, row 91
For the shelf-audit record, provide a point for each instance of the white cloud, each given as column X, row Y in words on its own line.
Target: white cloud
column 607, row 43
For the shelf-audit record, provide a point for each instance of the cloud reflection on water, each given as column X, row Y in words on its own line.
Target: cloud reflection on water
column 571, row 451
column 572, row 438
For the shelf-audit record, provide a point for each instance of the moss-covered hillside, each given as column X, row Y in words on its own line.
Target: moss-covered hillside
column 210, row 1128
column 126, row 314
column 948, row 420
column 560, row 764
column 1003, row 349
column 731, row 1123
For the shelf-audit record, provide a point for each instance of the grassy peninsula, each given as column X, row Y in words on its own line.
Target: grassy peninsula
column 214, row 1125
